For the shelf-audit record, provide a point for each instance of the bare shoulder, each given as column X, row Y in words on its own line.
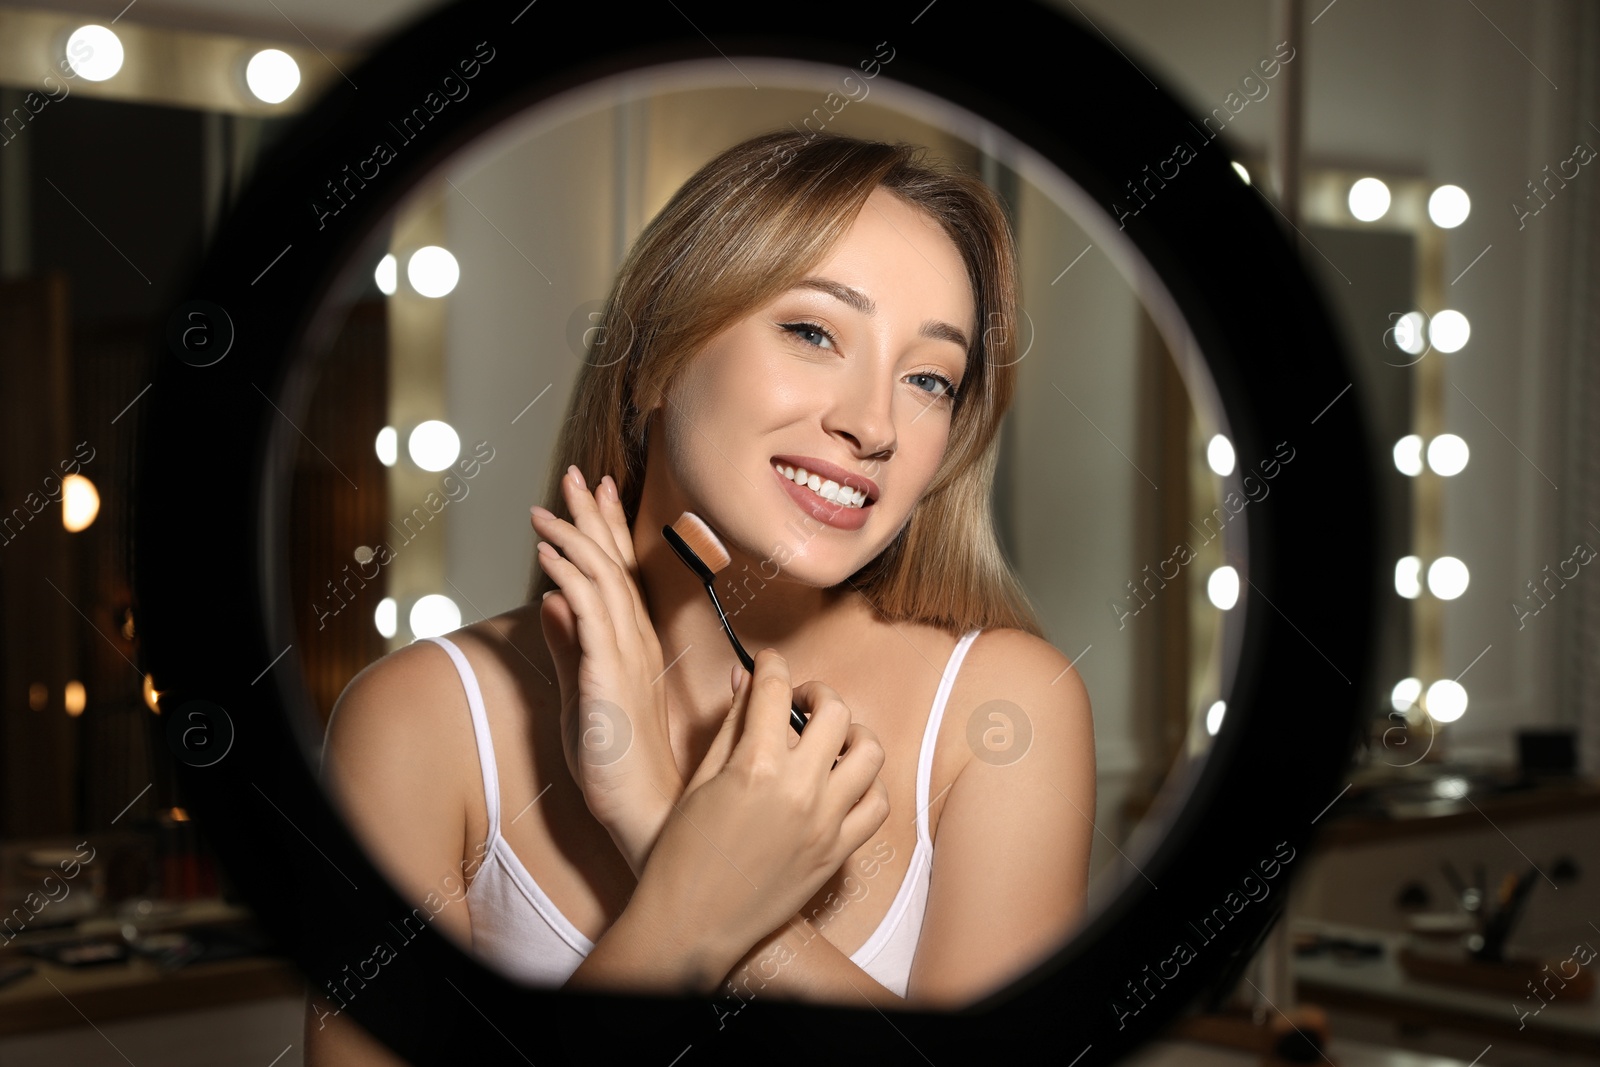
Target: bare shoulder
column 1034, row 696
column 399, row 761
column 410, row 699
column 1011, row 660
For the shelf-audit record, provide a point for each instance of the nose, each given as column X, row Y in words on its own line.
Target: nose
column 864, row 414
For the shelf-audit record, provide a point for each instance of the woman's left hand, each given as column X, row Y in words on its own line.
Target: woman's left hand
column 609, row 665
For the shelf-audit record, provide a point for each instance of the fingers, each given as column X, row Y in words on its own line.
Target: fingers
column 766, row 705
column 589, row 517
column 728, row 736
column 828, row 724
column 611, row 508
column 858, row 766
column 865, row 818
column 594, row 629
column 583, row 543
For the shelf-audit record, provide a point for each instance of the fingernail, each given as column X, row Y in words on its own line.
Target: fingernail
column 539, row 513
column 577, row 474
column 546, row 595
column 547, row 549
column 609, row 486
column 735, row 678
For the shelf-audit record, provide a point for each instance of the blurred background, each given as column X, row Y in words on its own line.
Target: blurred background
column 1430, row 163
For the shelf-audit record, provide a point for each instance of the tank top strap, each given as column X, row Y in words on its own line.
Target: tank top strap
column 931, row 732
column 480, row 729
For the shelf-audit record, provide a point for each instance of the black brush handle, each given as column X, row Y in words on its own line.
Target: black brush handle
column 796, row 719
column 692, row 560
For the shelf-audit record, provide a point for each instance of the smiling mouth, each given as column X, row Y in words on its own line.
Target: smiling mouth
column 825, row 488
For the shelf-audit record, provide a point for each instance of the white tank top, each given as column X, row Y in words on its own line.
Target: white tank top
column 518, row 930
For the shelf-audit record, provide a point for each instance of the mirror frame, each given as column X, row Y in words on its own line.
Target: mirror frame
column 217, row 440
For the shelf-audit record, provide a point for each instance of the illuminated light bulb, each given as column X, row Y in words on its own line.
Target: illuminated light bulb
column 73, row 698
column 432, row 271
column 1449, row 206
column 1447, row 578
column 386, row 616
column 1449, row 331
column 1408, row 455
column 388, row 446
column 1446, row 701
column 433, row 615
column 94, row 52
column 272, row 75
column 1239, row 169
column 1405, row 693
column 1408, row 577
column 152, row 699
column 1214, row 716
column 1223, row 587
column 80, row 502
column 387, row 275
column 1219, row 454
column 1369, row 199
column 1411, row 333
column 433, row 445
column 1447, row 454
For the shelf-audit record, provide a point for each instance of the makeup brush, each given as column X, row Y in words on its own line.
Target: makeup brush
column 702, row 552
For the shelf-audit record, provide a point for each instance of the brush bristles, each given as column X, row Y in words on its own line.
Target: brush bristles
column 698, row 536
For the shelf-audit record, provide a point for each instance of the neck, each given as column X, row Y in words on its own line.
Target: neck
column 764, row 608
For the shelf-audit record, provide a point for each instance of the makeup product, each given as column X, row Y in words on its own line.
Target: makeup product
column 1497, row 931
column 702, row 552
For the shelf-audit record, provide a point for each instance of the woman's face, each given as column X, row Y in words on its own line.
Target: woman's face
column 851, row 380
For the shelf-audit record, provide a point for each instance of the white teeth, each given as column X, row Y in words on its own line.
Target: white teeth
column 827, row 489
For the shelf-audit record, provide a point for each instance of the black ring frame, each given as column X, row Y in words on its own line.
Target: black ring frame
column 1312, row 590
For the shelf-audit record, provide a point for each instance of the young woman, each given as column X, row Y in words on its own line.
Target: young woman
column 589, row 794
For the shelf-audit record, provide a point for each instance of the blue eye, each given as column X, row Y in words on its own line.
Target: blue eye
column 949, row 387
column 797, row 328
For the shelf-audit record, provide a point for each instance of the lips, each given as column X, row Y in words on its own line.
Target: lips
column 824, row 511
column 826, row 471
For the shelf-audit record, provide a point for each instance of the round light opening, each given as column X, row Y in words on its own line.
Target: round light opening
column 433, row 615
column 1408, row 455
column 1447, row 578
column 94, row 52
column 1369, row 199
column 1411, row 333
column 1408, row 577
column 80, row 502
column 1446, row 701
column 432, row 271
column 1219, row 454
column 1449, row 331
column 1223, row 587
column 272, row 75
column 387, row 275
column 387, row 446
column 1405, row 693
column 1449, row 206
column 385, row 616
column 1447, row 454
column 433, row 445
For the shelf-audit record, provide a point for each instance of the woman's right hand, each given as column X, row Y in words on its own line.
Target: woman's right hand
column 767, row 818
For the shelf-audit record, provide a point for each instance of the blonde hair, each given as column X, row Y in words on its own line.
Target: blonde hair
column 743, row 230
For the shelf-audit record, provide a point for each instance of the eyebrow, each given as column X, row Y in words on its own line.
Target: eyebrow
column 855, row 298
